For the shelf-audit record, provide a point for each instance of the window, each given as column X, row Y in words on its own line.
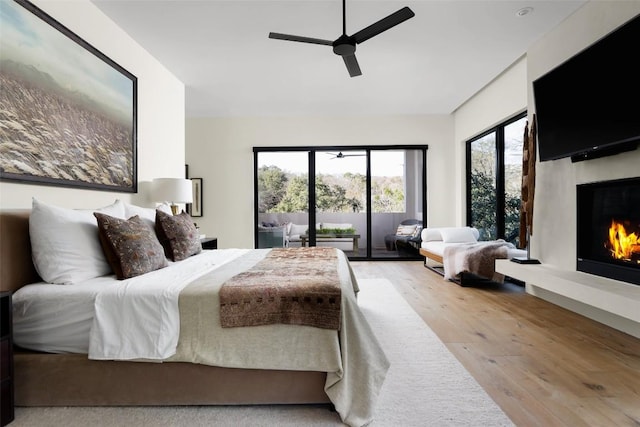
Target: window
column 494, row 180
column 355, row 196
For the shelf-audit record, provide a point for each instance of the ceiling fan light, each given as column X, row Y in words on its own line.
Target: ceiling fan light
column 344, row 49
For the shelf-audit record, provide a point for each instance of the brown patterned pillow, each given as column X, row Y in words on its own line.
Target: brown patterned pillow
column 177, row 235
column 131, row 246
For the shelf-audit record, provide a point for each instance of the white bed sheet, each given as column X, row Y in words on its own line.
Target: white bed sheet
column 139, row 318
column 59, row 318
column 56, row 318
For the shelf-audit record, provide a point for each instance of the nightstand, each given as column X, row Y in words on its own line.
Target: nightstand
column 6, row 359
column 209, row 243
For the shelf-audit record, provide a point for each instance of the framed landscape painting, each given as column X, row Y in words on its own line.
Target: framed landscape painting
column 68, row 113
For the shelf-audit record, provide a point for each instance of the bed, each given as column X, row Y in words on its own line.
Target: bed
column 457, row 255
column 58, row 371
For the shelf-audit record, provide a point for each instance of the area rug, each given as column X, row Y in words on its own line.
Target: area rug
column 425, row 386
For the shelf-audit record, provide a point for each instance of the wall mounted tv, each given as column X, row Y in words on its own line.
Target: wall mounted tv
column 589, row 106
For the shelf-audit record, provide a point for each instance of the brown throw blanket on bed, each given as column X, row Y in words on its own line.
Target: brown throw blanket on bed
column 296, row 286
column 477, row 258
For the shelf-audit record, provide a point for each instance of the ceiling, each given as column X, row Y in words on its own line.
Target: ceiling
column 430, row 64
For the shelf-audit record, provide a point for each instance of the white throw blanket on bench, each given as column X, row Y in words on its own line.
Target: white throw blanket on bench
column 476, row 258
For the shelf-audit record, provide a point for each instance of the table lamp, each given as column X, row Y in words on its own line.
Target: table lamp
column 172, row 190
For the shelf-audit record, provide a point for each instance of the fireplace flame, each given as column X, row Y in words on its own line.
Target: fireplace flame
column 622, row 245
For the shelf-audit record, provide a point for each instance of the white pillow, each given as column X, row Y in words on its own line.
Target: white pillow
column 147, row 214
column 298, row 229
column 406, row 230
column 458, row 235
column 65, row 244
column 431, row 235
column 476, row 232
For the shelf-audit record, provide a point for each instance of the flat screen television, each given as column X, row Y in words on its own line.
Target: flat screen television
column 589, row 106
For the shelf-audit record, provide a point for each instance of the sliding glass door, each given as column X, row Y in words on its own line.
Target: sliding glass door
column 282, row 203
column 341, row 200
column 397, row 202
column 367, row 201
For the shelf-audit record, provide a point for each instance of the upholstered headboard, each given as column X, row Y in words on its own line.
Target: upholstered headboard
column 16, row 267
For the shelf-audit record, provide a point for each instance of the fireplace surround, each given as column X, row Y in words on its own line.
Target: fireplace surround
column 608, row 229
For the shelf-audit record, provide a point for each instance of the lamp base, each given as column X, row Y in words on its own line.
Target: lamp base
column 174, row 209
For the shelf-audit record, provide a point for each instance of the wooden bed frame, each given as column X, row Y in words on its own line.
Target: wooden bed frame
column 43, row 379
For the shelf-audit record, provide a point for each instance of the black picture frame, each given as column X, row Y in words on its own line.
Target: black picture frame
column 70, row 112
column 196, row 208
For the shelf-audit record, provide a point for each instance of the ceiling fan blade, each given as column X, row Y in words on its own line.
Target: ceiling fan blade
column 352, row 65
column 288, row 37
column 384, row 24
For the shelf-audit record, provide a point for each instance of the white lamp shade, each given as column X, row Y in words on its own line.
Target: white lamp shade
column 174, row 190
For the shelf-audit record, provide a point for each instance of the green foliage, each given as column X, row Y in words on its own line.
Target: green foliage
column 336, row 231
column 388, row 195
column 272, row 186
column 329, row 198
column 483, row 208
column 512, row 218
column 355, row 190
column 296, row 197
column 483, row 205
column 279, row 191
column 333, row 198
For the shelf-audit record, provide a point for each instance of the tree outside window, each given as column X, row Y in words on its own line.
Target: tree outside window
column 282, row 191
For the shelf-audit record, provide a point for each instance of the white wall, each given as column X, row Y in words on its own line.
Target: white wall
column 160, row 112
column 503, row 98
column 220, row 151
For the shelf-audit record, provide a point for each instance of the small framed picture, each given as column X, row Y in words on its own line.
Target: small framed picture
column 195, row 209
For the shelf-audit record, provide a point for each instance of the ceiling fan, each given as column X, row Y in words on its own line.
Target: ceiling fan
column 339, row 155
column 345, row 45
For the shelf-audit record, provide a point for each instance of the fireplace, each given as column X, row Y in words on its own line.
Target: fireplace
column 609, row 229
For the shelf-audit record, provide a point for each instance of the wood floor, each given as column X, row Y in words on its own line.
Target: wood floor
column 544, row 365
